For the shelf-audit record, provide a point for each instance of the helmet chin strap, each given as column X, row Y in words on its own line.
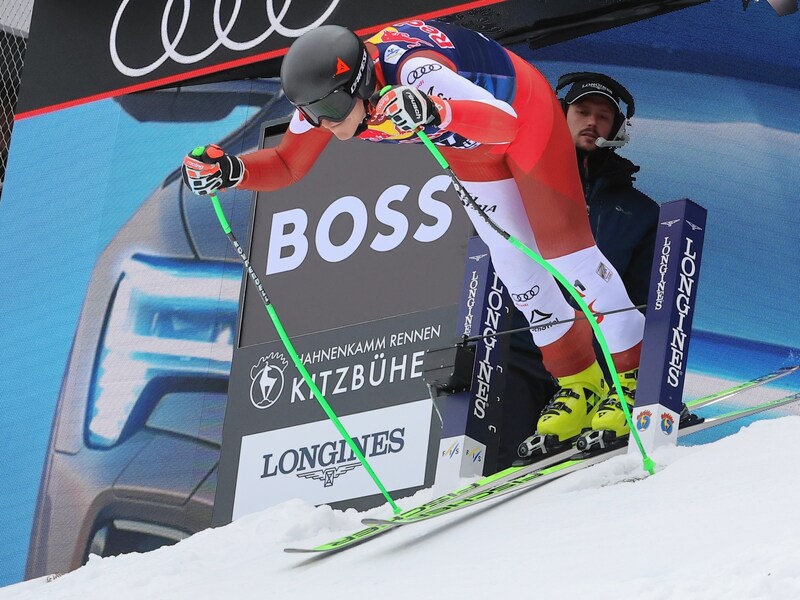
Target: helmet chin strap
column 362, row 127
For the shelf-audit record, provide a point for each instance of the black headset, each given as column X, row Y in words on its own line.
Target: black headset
column 618, row 136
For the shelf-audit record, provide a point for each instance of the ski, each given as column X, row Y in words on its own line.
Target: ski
column 530, row 456
column 375, row 530
column 742, row 387
column 544, row 463
column 532, row 476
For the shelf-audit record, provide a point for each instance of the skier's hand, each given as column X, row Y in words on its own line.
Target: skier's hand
column 409, row 108
column 207, row 169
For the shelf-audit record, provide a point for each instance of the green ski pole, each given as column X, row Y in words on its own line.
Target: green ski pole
column 223, row 221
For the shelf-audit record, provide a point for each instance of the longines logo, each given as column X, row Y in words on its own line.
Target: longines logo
column 333, row 458
column 330, row 474
column 267, row 380
column 171, row 40
column 693, row 226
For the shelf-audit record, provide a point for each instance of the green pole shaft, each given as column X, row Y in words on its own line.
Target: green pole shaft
column 648, row 463
column 287, row 343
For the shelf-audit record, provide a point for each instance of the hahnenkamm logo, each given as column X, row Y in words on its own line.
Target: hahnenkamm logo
column 267, row 380
column 643, row 420
column 667, row 423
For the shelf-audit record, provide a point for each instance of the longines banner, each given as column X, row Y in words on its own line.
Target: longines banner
column 365, row 273
column 88, row 49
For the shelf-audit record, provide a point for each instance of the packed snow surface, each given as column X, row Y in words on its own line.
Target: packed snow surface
column 715, row 521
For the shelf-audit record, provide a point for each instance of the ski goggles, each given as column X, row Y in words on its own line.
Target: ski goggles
column 334, row 107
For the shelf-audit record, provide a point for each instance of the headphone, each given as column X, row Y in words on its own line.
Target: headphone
column 618, row 136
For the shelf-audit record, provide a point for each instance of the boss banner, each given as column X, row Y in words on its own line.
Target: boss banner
column 365, row 272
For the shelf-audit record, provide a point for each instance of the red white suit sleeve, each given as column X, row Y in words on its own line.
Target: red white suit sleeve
column 274, row 168
column 465, row 108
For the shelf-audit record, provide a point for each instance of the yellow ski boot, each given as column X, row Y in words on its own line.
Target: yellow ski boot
column 568, row 414
column 610, row 416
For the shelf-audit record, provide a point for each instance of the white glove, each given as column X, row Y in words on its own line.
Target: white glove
column 409, row 108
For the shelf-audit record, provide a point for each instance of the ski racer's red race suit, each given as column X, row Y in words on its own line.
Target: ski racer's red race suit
column 505, row 135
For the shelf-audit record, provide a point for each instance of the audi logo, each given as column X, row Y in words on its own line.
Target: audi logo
column 171, row 41
column 421, row 72
column 529, row 295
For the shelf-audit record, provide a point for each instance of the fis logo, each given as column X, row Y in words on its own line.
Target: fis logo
column 475, row 454
column 453, row 450
column 392, row 54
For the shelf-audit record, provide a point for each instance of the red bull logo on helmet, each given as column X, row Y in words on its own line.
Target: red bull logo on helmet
column 391, row 35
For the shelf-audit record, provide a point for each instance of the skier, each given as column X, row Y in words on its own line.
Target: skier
column 501, row 128
column 623, row 220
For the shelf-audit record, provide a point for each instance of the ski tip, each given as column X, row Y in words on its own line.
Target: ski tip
column 787, row 370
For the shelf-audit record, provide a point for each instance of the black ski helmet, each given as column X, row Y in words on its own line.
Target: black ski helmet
column 325, row 71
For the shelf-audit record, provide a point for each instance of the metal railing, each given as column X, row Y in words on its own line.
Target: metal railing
column 15, row 20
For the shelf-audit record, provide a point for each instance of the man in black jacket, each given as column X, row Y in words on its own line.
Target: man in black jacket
column 623, row 219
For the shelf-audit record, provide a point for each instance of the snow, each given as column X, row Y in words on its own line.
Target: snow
column 715, row 521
